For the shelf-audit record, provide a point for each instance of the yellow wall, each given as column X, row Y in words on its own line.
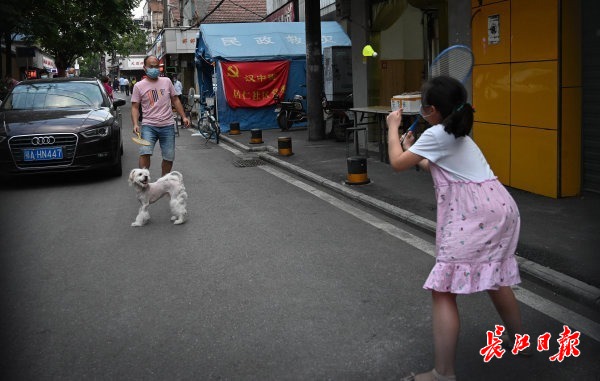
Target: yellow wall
column 494, row 141
column 527, row 93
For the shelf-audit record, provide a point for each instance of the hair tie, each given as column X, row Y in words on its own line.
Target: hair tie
column 463, row 105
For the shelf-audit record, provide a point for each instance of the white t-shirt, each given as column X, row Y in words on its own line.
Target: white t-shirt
column 178, row 87
column 460, row 157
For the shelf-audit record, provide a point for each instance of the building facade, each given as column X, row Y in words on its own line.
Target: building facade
column 536, row 120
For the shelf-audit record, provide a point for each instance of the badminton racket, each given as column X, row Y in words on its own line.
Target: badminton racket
column 456, row 62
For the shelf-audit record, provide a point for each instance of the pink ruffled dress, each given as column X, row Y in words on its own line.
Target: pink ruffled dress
column 478, row 227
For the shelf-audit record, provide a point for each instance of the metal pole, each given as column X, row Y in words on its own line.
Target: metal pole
column 165, row 14
column 314, row 70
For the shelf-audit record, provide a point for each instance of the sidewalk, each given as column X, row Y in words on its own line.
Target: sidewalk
column 560, row 238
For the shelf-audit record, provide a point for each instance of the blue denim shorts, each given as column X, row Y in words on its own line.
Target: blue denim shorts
column 165, row 137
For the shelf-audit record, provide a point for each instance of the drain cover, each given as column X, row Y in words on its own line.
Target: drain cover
column 248, row 162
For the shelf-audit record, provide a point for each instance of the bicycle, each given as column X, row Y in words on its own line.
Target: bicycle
column 187, row 108
column 208, row 126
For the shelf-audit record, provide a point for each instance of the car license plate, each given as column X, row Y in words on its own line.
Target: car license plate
column 37, row 154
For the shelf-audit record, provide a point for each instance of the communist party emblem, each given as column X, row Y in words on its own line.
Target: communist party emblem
column 233, row 71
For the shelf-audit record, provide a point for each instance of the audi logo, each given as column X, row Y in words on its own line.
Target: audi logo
column 42, row 140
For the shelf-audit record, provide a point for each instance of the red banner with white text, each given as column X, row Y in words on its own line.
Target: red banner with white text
column 253, row 84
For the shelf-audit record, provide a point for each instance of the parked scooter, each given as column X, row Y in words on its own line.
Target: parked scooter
column 294, row 111
column 336, row 117
column 290, row 111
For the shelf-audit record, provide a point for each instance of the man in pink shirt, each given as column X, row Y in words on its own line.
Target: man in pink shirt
column 157, row 97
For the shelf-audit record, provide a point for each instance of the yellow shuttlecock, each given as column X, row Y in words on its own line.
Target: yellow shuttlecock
column 368, row 51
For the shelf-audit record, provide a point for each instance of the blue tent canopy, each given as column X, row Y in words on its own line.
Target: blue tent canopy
column 265, row 41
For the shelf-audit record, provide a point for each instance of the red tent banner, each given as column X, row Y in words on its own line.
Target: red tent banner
column 253, row 84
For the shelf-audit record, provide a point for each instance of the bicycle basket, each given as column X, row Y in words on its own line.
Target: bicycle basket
column 210, row 101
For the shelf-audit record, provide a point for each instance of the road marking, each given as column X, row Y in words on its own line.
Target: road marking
column 565, row 316
column 392, row 230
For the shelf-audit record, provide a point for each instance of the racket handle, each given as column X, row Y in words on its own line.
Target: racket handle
column 413, row 126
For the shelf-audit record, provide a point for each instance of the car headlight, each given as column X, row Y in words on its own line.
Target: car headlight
column 97, row 132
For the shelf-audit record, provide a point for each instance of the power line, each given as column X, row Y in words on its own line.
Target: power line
column 246, row 9
column 211, row 12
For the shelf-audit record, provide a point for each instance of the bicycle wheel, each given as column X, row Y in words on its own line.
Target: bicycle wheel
column 205, row 130
column 216, row 129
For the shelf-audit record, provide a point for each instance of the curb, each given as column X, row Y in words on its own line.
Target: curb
column 559, row 282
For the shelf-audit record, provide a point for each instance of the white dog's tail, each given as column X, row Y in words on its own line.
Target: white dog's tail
column 178, row 175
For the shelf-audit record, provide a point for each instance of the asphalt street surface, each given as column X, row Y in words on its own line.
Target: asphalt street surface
column 270, row 279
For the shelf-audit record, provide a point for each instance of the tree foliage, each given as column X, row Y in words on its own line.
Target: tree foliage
column 91, row 65
column 68, row 29
column 134, row 42
column 14, row 16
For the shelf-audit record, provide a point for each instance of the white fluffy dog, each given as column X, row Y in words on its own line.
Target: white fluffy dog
column 148, row 193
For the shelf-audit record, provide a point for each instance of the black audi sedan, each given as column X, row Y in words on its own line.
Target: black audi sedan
column 60, row 124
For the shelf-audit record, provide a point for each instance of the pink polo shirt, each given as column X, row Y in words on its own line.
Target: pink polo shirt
column 155, row 97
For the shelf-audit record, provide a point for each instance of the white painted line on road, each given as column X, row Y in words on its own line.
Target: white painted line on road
column 392, row 230
column 538, row 303
column 231, row 149
column 547, row 307
column 573, row 320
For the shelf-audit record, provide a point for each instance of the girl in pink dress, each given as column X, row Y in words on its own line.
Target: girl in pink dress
column 477, row 219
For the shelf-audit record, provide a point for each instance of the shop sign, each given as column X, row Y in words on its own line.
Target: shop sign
column 134, row 64
column 48, row 63
column 186, row 41
column 283, row 14
column 159, row 47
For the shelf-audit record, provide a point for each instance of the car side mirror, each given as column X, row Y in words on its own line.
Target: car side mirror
column 118, row 103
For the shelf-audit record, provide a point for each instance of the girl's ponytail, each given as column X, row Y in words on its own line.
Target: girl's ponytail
column 460, row 121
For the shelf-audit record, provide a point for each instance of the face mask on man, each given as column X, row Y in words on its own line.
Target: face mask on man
column 152, row 72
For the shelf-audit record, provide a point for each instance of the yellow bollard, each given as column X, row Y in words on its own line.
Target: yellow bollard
column 234, row 128
column 284, row 144
column 357, row 171
column 256, row 136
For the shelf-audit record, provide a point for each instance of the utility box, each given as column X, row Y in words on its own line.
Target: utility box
column 338, row 73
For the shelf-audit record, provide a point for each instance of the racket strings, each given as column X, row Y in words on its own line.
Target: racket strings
column 456, row 63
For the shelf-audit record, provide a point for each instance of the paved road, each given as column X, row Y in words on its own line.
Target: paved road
column 269, row 279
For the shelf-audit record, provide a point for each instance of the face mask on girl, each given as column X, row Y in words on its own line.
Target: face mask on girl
column 152, row 72
column 423, row 114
